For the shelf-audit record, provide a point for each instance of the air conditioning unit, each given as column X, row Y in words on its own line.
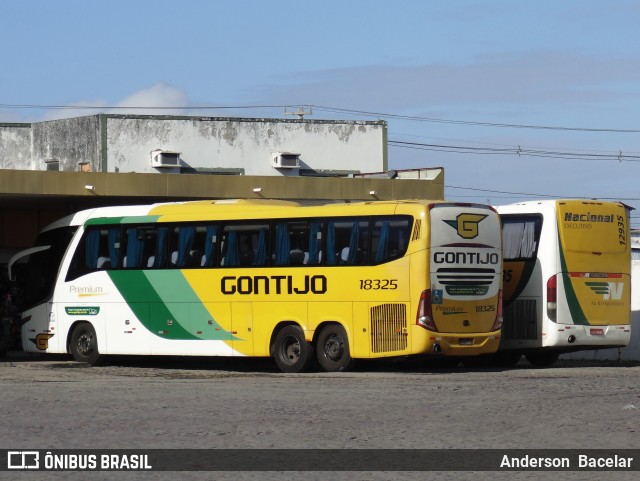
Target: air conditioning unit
column 286, row 160
column 165, row 159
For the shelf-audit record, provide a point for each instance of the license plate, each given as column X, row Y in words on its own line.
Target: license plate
column 597, row 332
column 466, row 342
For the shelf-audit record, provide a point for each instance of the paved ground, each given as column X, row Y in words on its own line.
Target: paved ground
column 53, row 403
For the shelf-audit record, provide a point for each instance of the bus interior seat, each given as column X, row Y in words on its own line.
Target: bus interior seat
column 195, row 258
column 296, row 257
column 103, row 263
column 305, row 259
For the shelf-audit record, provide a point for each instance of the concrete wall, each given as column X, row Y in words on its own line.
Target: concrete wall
column 15, row 146
column 213, row 143
column 123, row 143
column 71, row 142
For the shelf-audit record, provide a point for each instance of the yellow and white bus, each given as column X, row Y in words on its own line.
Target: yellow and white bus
column 267, row 278
column 567, row 283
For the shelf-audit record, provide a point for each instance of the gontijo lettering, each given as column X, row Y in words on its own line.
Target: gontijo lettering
column 273, row 284
column 466, row 258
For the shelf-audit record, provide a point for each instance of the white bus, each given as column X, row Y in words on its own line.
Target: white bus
column 298, row 283
column 567, row 284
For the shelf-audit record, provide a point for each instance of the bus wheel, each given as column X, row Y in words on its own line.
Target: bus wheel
column 291, row 350
column 541, row 358
column 84, row 344
column 506, row 359
column 333, row 349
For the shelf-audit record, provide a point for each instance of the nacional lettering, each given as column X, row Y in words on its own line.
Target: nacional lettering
column 273, row 284
column 466, row 258
column 588, row 217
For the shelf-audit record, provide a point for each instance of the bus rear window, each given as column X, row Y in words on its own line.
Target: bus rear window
column 520, row 236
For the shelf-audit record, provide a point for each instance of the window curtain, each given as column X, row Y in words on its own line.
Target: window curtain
column 528, row 246
column 314, row 251
column 134, row 248
column 114, row 246
column 232, row 256
column 331, row 244
column 519, row 239
column 162, row 235
column 185, row 241
column 353, row 243
column 260, row 258
column 383, row 241
column 92, row 248
column 283, row 245
column 209, row 245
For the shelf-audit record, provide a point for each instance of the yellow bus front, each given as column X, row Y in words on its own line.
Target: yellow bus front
column 460, row 311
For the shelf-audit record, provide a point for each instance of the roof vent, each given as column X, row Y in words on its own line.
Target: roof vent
column 165, row 159
column 286, row 160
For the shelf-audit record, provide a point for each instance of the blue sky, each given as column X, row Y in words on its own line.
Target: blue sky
column 441, row 73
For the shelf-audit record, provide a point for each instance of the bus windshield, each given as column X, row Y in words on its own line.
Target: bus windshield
column 42, row 266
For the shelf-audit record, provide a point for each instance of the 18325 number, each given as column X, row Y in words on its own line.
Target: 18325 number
column 378, row 284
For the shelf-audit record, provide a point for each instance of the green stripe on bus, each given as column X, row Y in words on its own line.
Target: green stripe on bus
column 144, row 291
column 136, row 219
column 577, row 314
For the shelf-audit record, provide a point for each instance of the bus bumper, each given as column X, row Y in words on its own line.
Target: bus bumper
column 448, row 344
column 576, row 336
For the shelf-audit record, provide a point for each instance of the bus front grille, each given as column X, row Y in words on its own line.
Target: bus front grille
column 520, row 320
column 388, row 328
column 465, row 276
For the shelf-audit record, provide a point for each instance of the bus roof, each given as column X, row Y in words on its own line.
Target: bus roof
column 536, row 205
column 243, row 208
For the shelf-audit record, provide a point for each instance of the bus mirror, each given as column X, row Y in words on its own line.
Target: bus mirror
column 20, row 255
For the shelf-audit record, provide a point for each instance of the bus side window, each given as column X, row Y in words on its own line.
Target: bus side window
column 139, row 241
column 520, row 236
column 389, row 238
column 245, row 244
column 180, row 245
column 347, row 241
column 94, row 252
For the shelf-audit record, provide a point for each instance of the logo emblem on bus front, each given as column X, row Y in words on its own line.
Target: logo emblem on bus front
column 466, row 225
column 42, row 341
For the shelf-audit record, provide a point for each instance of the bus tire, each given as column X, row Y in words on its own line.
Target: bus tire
column 542, row 358
column 291, row 351
column 83, row 344
column 333, row 349
column 506, row 359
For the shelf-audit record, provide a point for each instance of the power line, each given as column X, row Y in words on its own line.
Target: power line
column 327, row 109
column 519, row 151
column 103, row 107
column 471, row 122
column 529, row 194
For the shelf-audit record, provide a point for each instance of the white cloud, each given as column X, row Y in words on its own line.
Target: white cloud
column 159, row 99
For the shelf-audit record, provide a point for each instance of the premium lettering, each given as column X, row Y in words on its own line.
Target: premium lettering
column 273, row 285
